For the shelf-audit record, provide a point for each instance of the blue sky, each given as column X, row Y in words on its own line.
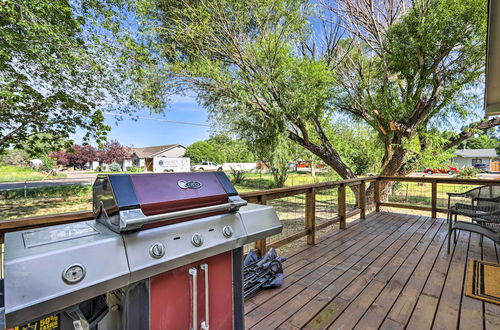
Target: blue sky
column 144, row 133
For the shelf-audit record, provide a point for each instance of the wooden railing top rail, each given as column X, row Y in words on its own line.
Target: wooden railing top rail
column 440, row 180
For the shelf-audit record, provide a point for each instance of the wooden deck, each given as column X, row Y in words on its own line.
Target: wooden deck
column 389, row 271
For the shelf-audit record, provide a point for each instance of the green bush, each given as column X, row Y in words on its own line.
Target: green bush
column 15, row 157
column 48, row 164
column 237, row 175
column 135, row 169
column 98, row 168
column 115, row 167
column 468, row 172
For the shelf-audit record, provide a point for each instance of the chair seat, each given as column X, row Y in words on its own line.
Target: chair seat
column 475, row 228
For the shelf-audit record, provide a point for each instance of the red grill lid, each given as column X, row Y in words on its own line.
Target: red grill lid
column 169, row 192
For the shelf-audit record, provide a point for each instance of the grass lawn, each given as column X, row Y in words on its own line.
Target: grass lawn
column 10, row 173
column 45, row 200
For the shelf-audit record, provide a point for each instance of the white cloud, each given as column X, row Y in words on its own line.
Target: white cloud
column 182, row 99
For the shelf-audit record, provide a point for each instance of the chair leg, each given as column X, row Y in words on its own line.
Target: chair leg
column 449, row 235
column 455, row 232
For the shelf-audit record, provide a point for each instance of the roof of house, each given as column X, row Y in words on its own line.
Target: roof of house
column 148, row 152
column 488, row 153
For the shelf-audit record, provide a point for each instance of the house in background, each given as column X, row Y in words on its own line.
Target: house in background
column 145, row 157
column 470, row 157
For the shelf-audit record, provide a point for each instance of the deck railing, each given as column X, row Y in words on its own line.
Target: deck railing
column 306, row 209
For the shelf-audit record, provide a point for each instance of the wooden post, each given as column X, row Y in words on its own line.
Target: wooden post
column 311, row 216
column 2, row 270
column 376, row 195
column 261, row 245
column 434, row 199
column 362, row 200
column 341, row 206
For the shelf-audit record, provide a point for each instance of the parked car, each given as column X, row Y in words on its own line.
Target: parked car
column 482, row 167
column 206, row 166
column 449, row 170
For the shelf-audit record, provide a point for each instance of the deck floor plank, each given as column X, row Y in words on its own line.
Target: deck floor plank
column 448, row 311
column 428, row 246
column 360, row 307
column 319, row 295
column 491, row 311
column 404, row 305
column 471, row 310
column 316, row 256
column 390, row 271
column 341, row 258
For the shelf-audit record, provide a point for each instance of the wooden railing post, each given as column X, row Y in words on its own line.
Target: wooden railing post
column 311, row 216
column 434, row 199
column 376, row 195
column 341, row 207
column 362, row 200
column 261, row 245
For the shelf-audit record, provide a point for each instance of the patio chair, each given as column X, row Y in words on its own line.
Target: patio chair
column 485, row 219
column 483, row 195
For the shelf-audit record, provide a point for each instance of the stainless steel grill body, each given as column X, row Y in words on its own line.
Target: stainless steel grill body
column 52, row 268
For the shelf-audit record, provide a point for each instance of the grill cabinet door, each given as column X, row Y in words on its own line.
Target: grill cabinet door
column 171, row 295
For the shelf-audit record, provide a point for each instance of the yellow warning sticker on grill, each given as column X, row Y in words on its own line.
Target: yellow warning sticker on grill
column 48, row 323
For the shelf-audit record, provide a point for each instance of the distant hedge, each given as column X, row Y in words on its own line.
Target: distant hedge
column 49, row 191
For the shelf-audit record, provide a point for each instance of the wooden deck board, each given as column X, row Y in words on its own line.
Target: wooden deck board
column 390, row 271
column 316, row 296
column 320, row 277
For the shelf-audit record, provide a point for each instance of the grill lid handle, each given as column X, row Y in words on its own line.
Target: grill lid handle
column 134, row 219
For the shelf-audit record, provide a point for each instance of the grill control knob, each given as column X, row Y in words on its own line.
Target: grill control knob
column 157, row 250
column 73, row 274
column 197, row 240
column 227, row 231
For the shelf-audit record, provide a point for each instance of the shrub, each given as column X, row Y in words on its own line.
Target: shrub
column 115, row 167
column 237, row 175
column 47, row 192
column 15, row 157
column 133, row 169
column 468, row 172
column 98, row 168
column 48, row 164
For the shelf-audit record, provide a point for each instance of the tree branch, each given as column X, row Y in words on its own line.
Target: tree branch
column 470, row 131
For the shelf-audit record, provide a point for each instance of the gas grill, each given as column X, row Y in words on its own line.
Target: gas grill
column 163, row 252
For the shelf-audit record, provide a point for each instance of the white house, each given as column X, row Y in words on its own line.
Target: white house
column 145, row 157
column 470, row 157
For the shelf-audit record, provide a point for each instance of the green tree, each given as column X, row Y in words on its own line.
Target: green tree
column 482, row 141
column 232, row 150
column 204, row 151
column 61, row 63
column 363, row 152
column 268, row 70
column 43, row 144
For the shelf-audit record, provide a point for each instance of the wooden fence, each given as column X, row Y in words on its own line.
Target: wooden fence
column 368, row 196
